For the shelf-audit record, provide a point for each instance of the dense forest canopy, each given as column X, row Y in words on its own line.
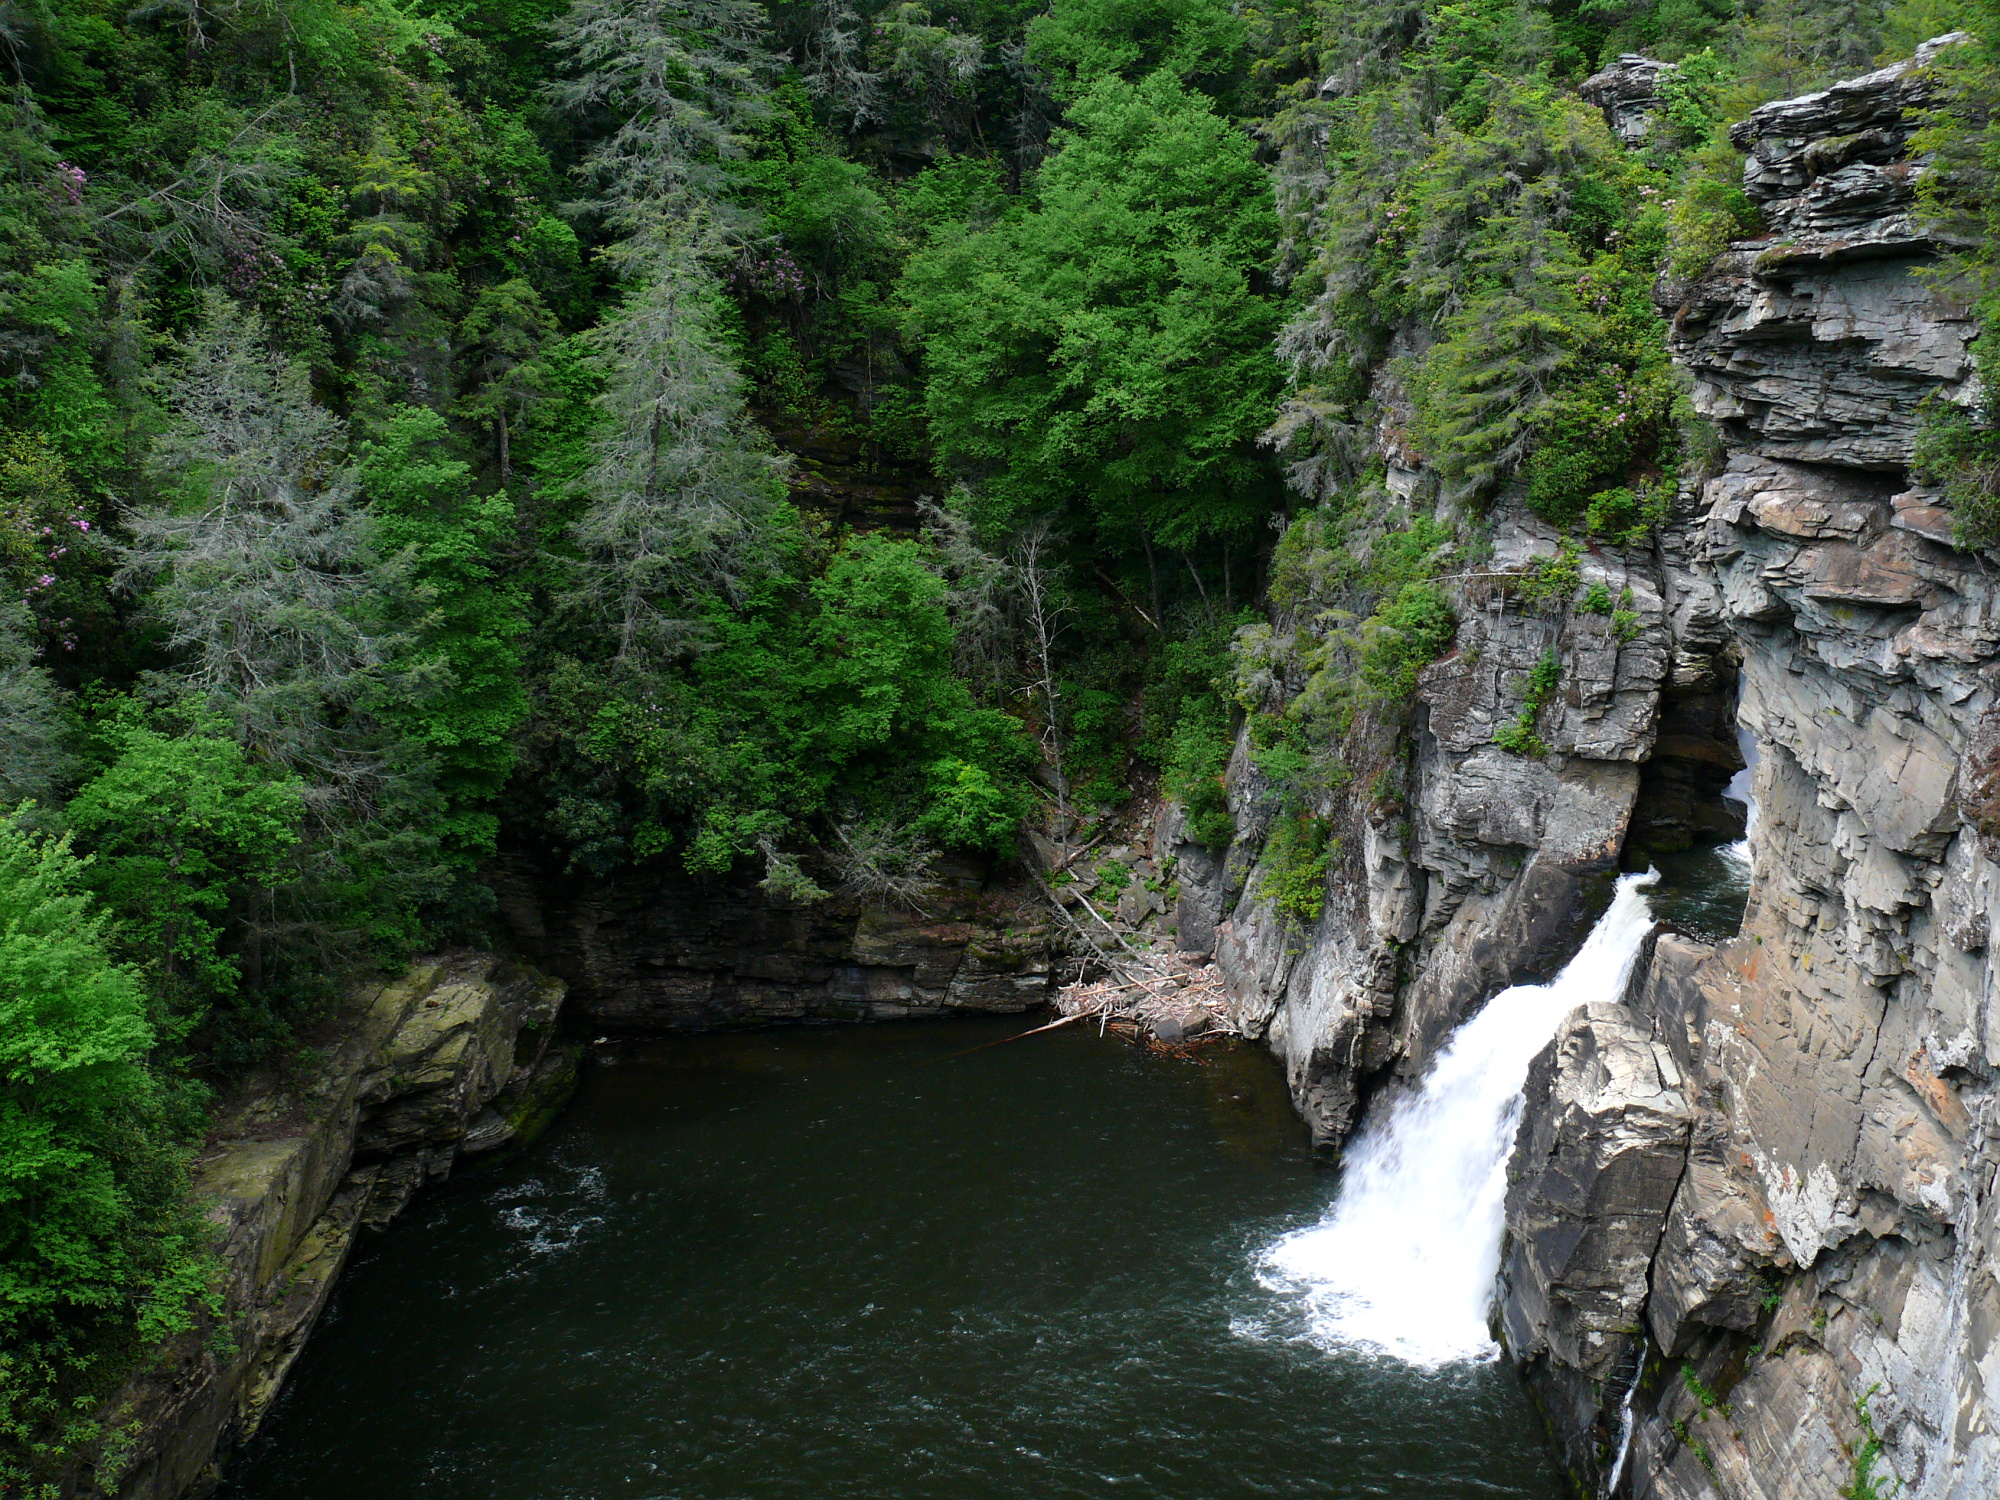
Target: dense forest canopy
column 430, row 433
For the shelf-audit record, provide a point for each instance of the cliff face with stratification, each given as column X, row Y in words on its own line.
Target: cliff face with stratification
column 402, row 1079
column 1826, row 1267
column 1757, row 1193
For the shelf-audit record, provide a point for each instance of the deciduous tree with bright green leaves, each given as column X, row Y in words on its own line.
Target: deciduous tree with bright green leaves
column 91, row 1227
column 179, row 828
column 1104, row 350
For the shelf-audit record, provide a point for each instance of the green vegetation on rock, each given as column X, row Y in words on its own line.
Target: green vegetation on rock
column 797, row 443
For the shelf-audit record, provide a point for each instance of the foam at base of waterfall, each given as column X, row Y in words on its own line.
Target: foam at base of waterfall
column 1404, row 1263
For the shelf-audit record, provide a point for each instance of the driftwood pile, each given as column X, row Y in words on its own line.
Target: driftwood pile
column 1173, row 997
column 1171, row 1001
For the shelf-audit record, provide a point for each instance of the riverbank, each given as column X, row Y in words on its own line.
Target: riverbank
column 460, row 1055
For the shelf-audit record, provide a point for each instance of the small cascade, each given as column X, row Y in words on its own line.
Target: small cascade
column 1738, row 790
column 1405, row 1262
column 1626, row 1426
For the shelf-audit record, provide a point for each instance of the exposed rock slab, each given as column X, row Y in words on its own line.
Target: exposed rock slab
column 1598, row 1163
column 1503, row 859
column 294, row 1168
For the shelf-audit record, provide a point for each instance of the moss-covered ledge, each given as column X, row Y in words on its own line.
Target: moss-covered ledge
column 453, row 1057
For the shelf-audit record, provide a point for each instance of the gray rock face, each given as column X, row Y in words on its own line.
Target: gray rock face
column 1598, row 1162
column 408, row 1071
column 1775, row 1172
column 1503, row 859
column 1629, row 94
column 1827, row 1265
column 1593, row 1175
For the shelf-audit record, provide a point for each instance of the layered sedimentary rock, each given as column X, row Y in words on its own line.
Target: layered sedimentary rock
column 455, row 1057
column 1497, row 862
column 654, row 949
column 1596, row 1170
column 1820, row 1312
column 1759, row 1196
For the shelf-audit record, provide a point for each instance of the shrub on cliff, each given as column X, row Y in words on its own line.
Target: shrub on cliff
column 1959, row 449
column 94, row 1248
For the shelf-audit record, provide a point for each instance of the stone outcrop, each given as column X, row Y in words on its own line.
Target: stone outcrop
column 454, row 1057
column 1762, row 1194
column 1597, row 1167
column 1595, row 1171
column 1628, row 92
column 1497, row 862
column 654, row 949
column 1821, row 1309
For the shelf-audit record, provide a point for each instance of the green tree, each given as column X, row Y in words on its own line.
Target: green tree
column 817, row 704
column 179, row 828
column 1106, row 349
column 454, row 691
column 1078, row 42
column 500, row 338
column 97, row 1248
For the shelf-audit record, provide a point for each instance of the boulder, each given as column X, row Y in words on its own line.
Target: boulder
column 1602, row 1147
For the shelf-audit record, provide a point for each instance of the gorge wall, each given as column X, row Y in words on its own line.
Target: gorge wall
column 654, row 949
column 1755, row 1198
column 458, row 1056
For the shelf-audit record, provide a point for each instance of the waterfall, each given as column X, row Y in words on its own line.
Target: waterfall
column 1625, row 1424
column 1738, row 790
column 1405, row 1261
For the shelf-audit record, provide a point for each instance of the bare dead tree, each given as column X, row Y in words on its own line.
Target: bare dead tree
column 833, row 61
column 881, row 860
column 1043, row 616
column 982, row 597
column 257, row 559
column 214, row 209
column 686, row 77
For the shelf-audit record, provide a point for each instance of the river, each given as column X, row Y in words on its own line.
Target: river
column 849, row 1263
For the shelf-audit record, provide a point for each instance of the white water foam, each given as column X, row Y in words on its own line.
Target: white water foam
column 1404, row 1263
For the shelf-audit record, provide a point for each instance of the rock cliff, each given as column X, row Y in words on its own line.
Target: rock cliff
column 653, row 949
column 1754, row 1201
column 1825, row 1277
column 455, row 1057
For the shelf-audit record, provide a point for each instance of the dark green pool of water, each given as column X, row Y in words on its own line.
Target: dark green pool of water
column 827, row 1263
column 1702, row 891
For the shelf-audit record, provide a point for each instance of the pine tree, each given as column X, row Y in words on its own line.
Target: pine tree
column 34, row 754
column 684, row 486
column 256, row 558
column 683, row 78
